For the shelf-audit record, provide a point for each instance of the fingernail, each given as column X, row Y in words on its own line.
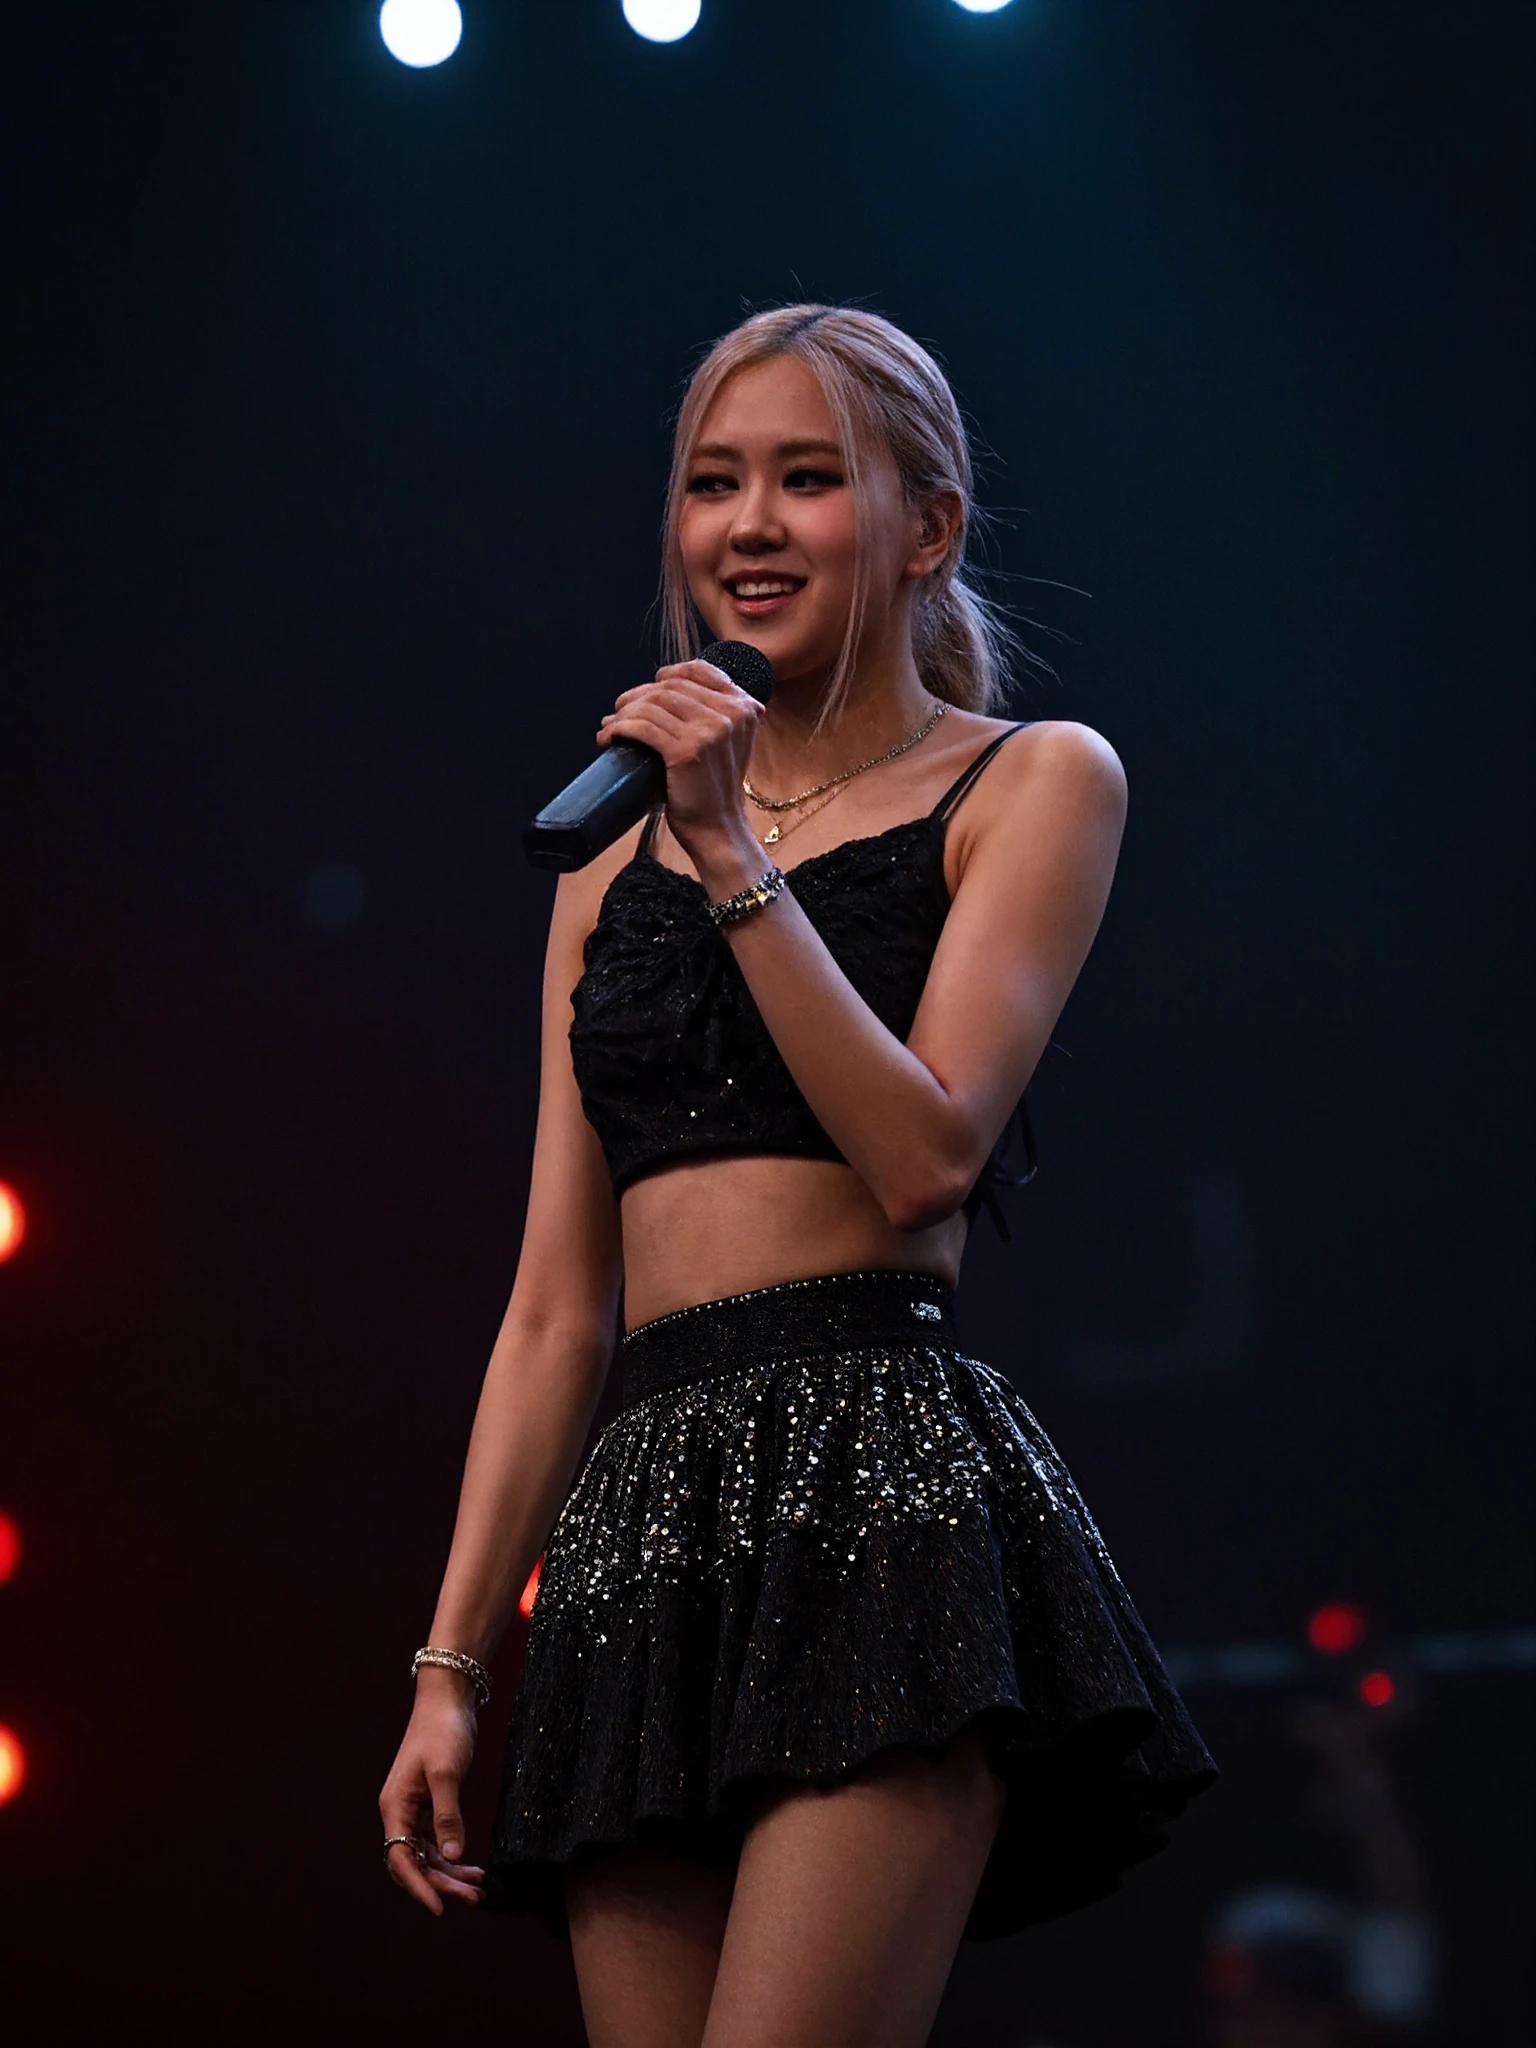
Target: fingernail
column 451, row 1851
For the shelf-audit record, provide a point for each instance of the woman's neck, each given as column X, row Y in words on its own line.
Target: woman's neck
column 886, row 703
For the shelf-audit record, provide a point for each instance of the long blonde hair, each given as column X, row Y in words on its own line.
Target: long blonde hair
column 883, row 390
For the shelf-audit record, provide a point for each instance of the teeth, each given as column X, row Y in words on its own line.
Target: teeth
column 762, row 589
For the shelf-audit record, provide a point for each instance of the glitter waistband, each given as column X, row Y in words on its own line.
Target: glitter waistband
column 827, row 1312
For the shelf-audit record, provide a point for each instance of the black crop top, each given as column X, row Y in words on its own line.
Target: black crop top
column 671, row 1055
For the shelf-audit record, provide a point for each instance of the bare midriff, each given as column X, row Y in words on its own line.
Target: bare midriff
column 728, row 1223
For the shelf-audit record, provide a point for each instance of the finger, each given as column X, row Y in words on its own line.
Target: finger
column 447, row 1824
column 404, row 1870
column 403, row 1808
column 698, row 672
column 674, row 696
column 403, row 1813
column 437, row 1861
column 682, row 686
column 660, row 730
column 687, row 715
column 452, row 1880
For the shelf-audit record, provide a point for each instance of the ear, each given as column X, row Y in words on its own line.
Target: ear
column 938, row 525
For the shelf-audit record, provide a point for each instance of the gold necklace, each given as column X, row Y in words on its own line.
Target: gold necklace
column 788, row 803
column 783, row 831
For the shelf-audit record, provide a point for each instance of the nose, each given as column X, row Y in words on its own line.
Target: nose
column 757, row 528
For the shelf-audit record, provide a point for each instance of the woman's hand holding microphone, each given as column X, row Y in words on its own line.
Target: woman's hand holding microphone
column 703, row 727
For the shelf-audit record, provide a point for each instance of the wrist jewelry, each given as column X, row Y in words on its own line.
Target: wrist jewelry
column 456, row 1660
column 745, row 901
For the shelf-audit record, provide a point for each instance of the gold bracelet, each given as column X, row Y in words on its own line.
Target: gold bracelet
column 456, row 1660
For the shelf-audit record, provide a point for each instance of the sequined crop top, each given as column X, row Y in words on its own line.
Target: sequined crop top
column 671, row 1056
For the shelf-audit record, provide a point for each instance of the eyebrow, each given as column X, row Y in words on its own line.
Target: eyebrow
column 717, row 451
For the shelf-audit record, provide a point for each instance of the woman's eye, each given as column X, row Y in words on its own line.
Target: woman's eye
column 708, row 486
column 813, row 479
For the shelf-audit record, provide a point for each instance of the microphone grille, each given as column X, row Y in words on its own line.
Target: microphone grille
column 748, row 667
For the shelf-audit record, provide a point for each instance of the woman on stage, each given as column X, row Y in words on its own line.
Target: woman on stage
column 828, row 1667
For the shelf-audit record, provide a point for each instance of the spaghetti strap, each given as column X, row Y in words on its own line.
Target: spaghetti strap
column 963, row 781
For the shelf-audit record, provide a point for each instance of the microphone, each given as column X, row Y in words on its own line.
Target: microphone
column 626, row 780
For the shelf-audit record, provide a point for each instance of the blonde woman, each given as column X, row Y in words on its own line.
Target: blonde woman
column 828, row 1667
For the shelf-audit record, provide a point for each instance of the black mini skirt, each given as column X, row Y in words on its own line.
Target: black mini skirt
column 813, row 1531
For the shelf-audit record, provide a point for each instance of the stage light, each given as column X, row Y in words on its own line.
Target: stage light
column 13, row 1221
column 1376, row 1688
column 982, row 6
column 10, row 1546
column 13, row 1765
column 421, row 32
column 662, row 21
column 1337, row 1628
column 531, row 1590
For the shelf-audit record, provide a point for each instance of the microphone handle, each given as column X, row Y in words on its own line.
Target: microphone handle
column 625, row 781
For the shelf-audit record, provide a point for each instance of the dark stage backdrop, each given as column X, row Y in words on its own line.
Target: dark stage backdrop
column 340, row 400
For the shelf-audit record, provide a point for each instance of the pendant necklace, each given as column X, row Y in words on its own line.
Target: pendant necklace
column 782, row 831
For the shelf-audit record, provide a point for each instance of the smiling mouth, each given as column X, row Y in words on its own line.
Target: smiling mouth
column 755, row 589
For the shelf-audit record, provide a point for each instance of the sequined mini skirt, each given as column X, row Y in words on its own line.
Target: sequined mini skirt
column 813, row 1531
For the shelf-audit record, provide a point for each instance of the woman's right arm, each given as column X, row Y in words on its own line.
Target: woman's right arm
column 542, row 1385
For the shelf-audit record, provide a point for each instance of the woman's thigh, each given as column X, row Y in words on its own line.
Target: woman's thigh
column 850, row 1903
column 646, row 1931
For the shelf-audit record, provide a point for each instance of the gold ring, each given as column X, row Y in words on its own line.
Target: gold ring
column 412, row 1842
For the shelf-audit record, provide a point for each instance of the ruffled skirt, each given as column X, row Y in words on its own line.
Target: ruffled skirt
column 815, row 1530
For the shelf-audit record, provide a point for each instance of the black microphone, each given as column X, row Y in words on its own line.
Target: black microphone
column 626, row 780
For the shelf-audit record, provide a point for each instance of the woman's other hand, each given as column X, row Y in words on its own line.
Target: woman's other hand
column 703, row 727
column 421, row 1795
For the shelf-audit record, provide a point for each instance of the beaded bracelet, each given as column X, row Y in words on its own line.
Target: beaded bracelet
column 456, row 1660
column 745, row 901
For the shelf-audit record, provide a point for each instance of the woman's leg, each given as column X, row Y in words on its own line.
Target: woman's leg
column 645, row 1933
column 850, row 1903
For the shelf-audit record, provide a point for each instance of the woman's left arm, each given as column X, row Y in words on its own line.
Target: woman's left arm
column 916, row 1121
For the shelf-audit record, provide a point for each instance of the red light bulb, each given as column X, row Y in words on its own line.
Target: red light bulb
column 13, row 1765
column 13, row 1221
column 1336, row 1629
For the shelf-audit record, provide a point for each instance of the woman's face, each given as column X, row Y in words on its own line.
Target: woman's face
column 767, row 522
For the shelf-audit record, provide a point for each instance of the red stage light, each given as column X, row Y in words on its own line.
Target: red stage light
column 1337, row 1628
column 1376, row 1688
column 531, row 1590
column 13, row 1765
column 10, row 1546
column 13, row 1220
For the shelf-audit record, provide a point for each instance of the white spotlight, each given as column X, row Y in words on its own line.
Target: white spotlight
column 421, row 32
column 662, row 21
column 981, row 6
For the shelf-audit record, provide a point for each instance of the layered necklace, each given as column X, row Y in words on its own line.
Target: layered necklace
column 827, row 791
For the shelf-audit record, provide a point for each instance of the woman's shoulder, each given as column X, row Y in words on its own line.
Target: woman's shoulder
column 1063, row 747
column 1053, row 774
column 1054, row 750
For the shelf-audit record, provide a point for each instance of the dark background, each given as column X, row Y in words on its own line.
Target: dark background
column 340, row 401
